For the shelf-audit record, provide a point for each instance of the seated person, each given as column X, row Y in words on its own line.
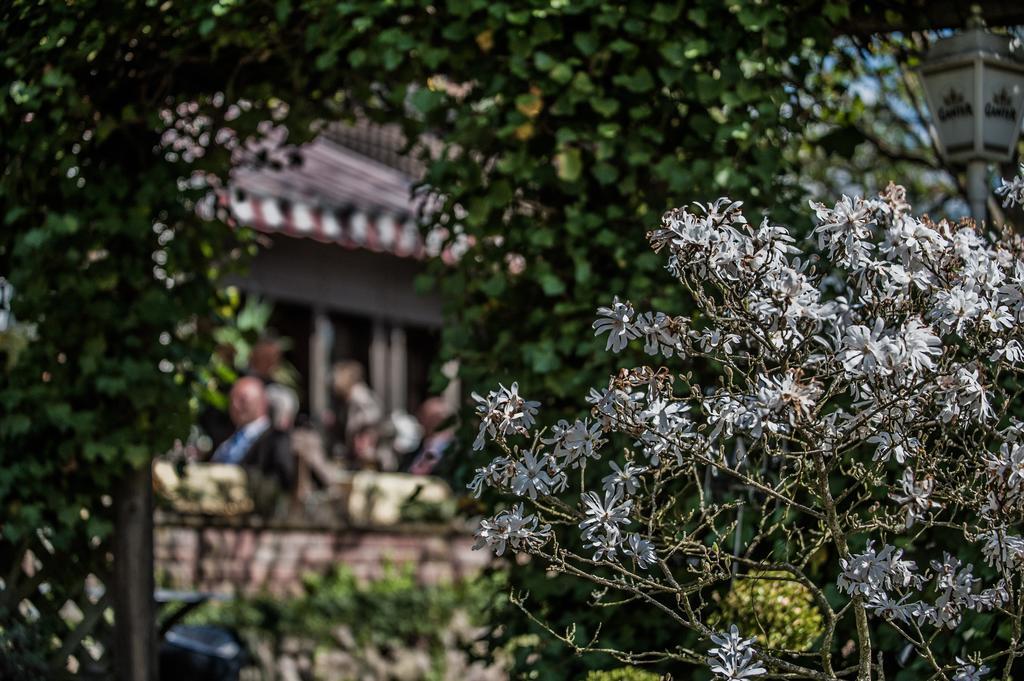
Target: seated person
column 256, row 444
column 265, row 363
column 428, row 457
column 358, row 417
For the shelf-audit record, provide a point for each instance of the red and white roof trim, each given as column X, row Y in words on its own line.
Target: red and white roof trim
column 352, row 228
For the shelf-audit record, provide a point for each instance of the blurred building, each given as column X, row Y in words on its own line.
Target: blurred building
column 344, row 252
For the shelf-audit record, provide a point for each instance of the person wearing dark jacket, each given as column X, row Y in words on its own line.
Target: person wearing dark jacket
column 256, row 445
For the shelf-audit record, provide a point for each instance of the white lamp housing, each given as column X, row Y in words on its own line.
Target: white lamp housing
column 975, row 90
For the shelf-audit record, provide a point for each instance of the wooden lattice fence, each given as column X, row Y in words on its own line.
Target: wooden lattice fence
column 54, row 620
column 65, row 610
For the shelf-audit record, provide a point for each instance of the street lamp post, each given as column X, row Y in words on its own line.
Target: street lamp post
column 974, row 84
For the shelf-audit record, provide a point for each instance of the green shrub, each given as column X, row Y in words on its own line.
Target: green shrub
column 772, row 608
column 391, row 612
column 623, row 674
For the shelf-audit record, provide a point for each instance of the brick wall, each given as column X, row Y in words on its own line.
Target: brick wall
column 244, row 555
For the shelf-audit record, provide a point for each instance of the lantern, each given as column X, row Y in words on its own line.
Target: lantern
column 974, row 84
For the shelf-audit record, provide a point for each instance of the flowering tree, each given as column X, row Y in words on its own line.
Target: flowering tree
column 863, row 414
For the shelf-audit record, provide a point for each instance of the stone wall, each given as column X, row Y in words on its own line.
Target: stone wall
column 246, row 555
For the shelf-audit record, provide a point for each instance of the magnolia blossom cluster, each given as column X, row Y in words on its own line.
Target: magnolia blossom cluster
column 732, row 657
column 885, row 581
column 854, row 389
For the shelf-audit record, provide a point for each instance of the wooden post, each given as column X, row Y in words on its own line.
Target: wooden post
column 379, row 362
column 320, row 342
column 398, row 370
column 135, row 644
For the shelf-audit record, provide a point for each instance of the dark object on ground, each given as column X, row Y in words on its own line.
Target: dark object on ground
column 201, row 653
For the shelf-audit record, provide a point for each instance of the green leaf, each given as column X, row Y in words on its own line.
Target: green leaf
column 664, row 13
column 551, row 284
column 543, row 61
column 327, row 60
column 605, row 106
column 562, row 73
column 426, row 100
column 583, row 271
column 569, row 164
column 605, row 172
column 282, row 10
column 356, row 58
column 494, row 285
column 673, row 52
column 696, row 48
column 587, row 43
column 639, row 81
column 542, row 357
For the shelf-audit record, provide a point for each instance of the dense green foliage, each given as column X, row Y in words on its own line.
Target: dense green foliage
column 93, row 233
column 567, row 128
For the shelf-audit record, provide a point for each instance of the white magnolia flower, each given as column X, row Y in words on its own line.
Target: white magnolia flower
column 503, row 411
column 584, row 439
column 729, row 415
column 1014, row 431
column 972, row 394
column 870, row 572
column 970, row 672
column 997, row 318
column 916, row 496
column 531, row 476
column 1012, row 191
column 494, row 474
column 956, row 585
column 512, row 528
column 575, row 443
column 665, row 415
column 617, row 322
column 612, row 405
column 715, row 339
column 604, row 401
column 604, row 545
column 1005, row 474
column 894, row 446
column 605, row 516
column 867, row 351
column 917, row 346
column 844, row 231
column 622, row 480
column 912, row 242
column 1003, row 551
column 957, row 307
column 732, row 657
column 641, row 550
column 1012, row 352
column 884, row 605
column 788, row 396
column 655, row 328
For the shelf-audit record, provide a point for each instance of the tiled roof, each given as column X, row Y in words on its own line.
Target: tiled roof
column 333, row 176
column 351, row 188
column 382, row 143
